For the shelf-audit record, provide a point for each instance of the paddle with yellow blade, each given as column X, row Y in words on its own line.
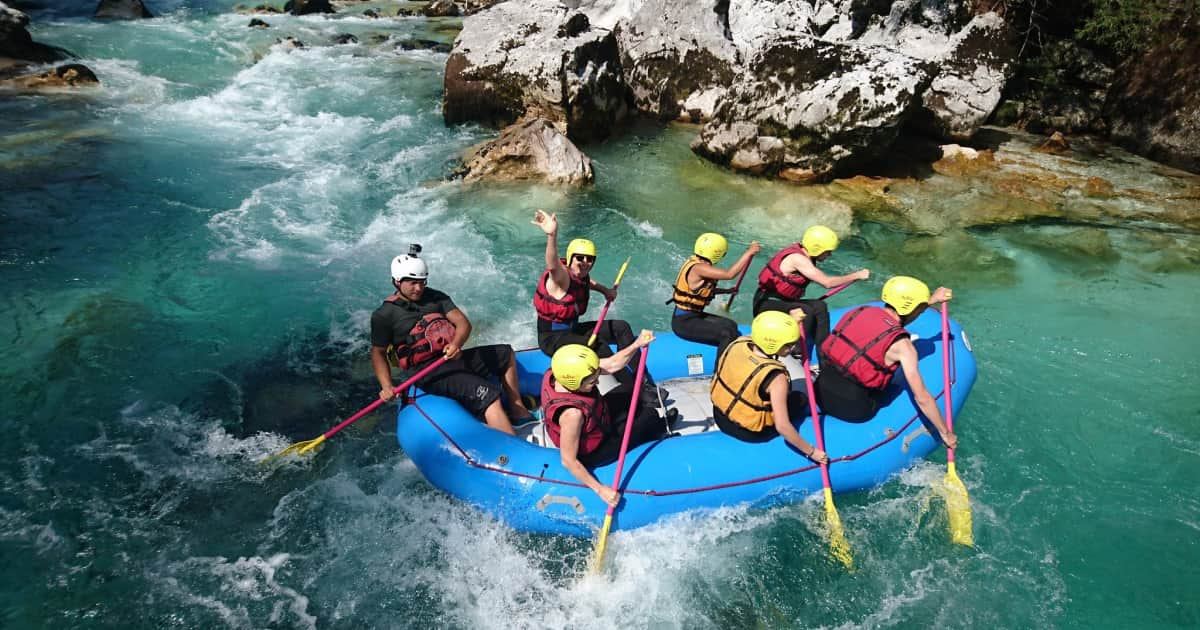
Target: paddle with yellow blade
column 607, row 303
column 958, row 504
column 306, row 447
column 838, row 545
column 602, row 540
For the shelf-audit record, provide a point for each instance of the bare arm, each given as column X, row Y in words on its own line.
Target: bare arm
column 778, row 389
column 619, row 359
column 383, row 372
column 709, row 272
column 462, row 331
column 559, row 278
column 571, row 424
column 905, row 353
column 805, row 266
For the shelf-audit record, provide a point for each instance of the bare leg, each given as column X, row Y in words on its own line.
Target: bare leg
column 495, row 417
column 512, row 390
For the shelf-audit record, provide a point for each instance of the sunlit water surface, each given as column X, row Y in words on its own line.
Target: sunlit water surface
column 190, row 253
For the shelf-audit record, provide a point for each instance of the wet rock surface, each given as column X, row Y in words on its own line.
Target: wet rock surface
column 531, row 150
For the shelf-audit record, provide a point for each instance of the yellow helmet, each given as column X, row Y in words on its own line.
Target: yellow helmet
column 772, row 330
column 905, row 294
column 712, row 246
column 580, row 246
column 819, row 239
column 573, row 363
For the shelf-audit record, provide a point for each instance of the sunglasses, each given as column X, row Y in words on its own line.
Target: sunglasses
column 585, row 258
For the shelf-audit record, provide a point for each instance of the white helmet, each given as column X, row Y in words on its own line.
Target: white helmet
column 409, row 266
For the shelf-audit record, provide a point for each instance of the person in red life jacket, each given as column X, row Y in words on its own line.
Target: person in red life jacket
column 563, row 293
column 586, row 426
column 417, row 324
column 782, row 283
column 695, row 287
column 751, row 391
column 868, row 345
column 562, row 296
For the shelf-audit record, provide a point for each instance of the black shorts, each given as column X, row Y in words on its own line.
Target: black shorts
column 612, row 331
column 472, row 380
column 846, row 399
column 816, row 314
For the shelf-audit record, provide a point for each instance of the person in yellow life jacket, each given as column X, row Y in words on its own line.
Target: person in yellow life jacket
column 868, row 345
column 417, row 324
column 561, row 298
column 586, row 426
column 783, row 281
column 695, row 287
column 751, row 391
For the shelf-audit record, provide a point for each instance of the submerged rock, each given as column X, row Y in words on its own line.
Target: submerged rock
column 257, row 23
column 532, row 150
column 423, row 44
column 122, row 10
column 65, row 75
column 1056, row 144
column 508, row 62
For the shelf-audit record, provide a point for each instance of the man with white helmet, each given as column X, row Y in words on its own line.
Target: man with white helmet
column 751, row 391
column 417, row 324
column 695, row 287
column 868, row 345
column 782, row 282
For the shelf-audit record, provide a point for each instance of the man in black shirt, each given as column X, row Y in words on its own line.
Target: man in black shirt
column 412, row 327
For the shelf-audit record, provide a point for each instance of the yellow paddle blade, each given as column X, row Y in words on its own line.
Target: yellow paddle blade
column 621, row 273
column 958, row 507
column 601, row 544
column 299, row 448
column 838, row 545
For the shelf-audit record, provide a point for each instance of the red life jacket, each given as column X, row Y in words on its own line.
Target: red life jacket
column 789, row 286
column 568, row 308
column 425, row 341
column 858, row 344
column 595, row 414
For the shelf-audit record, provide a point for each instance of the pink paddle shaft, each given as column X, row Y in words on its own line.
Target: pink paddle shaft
column 812, row 407
column 835, row 290
column 637, row 389
column 946, row 348
column 737, row 285
column 395, row 391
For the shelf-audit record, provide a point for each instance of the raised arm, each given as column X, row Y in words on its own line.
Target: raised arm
column 558, row 272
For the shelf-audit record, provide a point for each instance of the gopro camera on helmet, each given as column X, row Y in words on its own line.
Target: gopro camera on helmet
column 414, row 249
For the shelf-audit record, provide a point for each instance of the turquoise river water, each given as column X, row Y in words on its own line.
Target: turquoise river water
column 189, row 255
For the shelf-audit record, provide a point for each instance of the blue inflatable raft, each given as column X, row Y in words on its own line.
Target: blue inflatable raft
column 521, row 481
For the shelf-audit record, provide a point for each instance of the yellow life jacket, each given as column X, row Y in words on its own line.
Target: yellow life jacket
column 737, row 385
column 684, row 297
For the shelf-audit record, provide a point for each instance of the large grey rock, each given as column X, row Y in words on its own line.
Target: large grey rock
column 17, row 44
column 536, row 59
column 808, row 109
column 122, row 10
column 532, row 150
column 677, row 58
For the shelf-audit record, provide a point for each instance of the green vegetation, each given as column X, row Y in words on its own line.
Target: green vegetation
column 1129, row 27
